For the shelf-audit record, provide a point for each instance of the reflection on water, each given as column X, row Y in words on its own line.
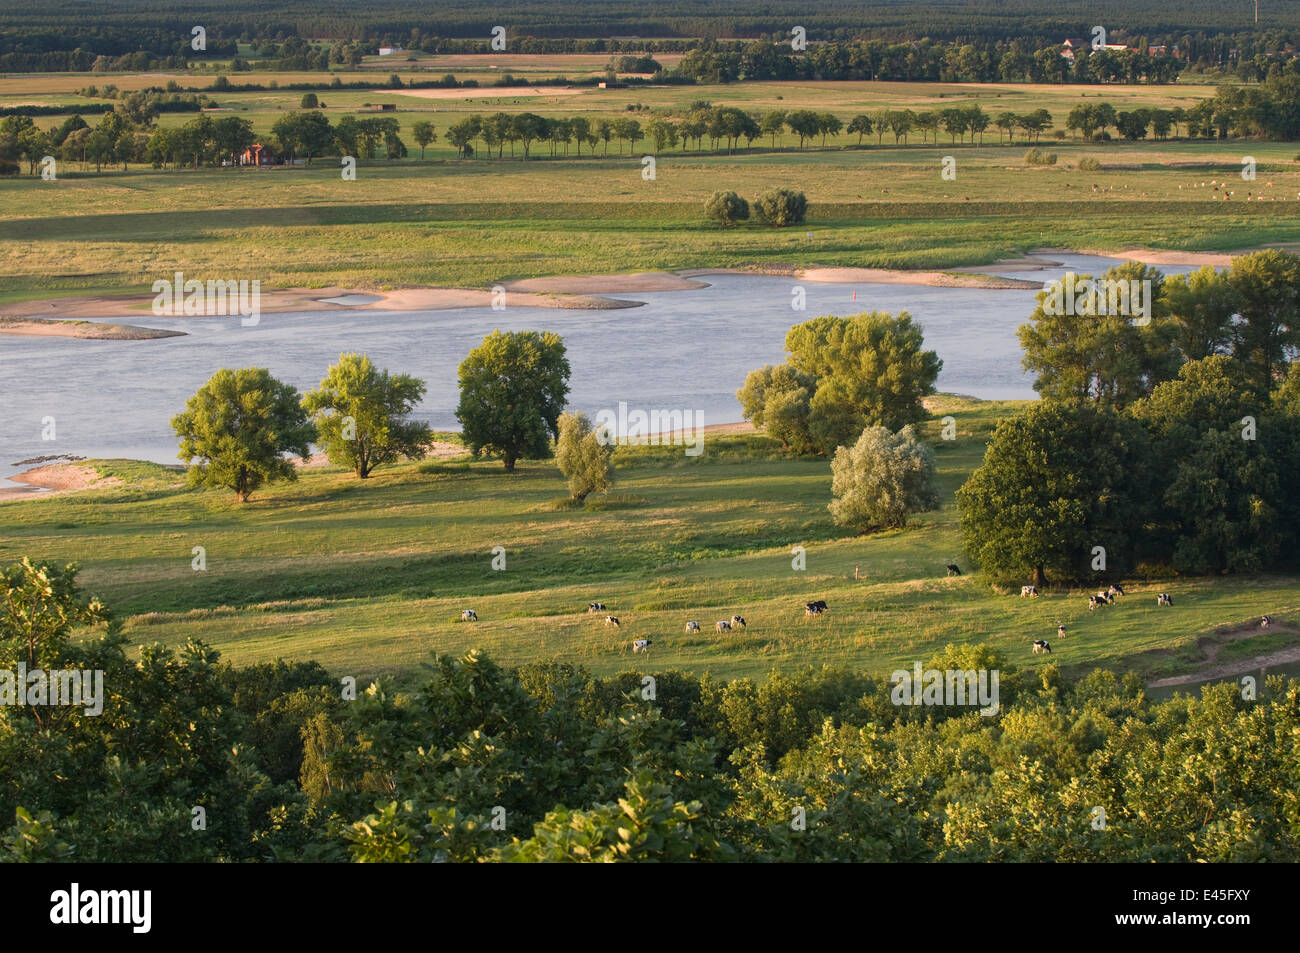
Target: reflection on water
column 687, row 350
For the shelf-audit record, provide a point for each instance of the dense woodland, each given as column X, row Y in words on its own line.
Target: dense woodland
column 908, row 41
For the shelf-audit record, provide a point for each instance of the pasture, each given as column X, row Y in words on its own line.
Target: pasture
column 370, row 577
column 443, row 220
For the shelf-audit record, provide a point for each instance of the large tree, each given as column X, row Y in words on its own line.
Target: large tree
column 512, row 391
column 238, row 427
column 870, row 370
column 1225, row 468
column 361, row 412
column 1083, row 346
column 1057, row 481
column 1267, row 285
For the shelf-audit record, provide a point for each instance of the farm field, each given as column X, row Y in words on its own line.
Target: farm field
column 370, row 577
column 473, row 222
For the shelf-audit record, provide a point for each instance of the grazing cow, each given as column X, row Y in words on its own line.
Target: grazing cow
column 641, row 645
column 1029, row 591
column 468, row 615
column 1115, row 590
column 1105, row 598
column 1041, row 646
column 1265, row 622
column 1094, row 602
column 953, row 570
column 738, row 620
column 814, row 608
column 692, row 627
column 1164, row 599
column 1060, row 629
column 723, row 626
column 611, row 620
column 595, row 607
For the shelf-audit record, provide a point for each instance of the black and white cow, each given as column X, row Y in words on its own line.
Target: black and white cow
column 1164, row 599
column 1114, row 590
column 595, row 607
column 814, row 608
column 1265, row 622
column 692, row 627
column 1028, row 591
column 953, row 570
column 1060, row 629
column 723, row 626
column 468, row 615
column 611, row 620
column 1041, row 646
column 641, row 645
column 737, row 620
column 1094, row 602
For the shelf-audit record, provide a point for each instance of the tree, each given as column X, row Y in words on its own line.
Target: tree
column 1267, row 288
column 512, row 390
column 870, row 370
column 422, row 132
column 781, row 207
column 1201, row 305
column 462, row 132
column 882, row 479
column 1090, row 348
column 726, row 207
column 584, row 456
column 309, row 101
column 804, row 123
column 360, row 414
column 778, row 399
column 1057, row 481
column 1220, row 495
column 772, row 124
column 861, row 124
column 239, row 425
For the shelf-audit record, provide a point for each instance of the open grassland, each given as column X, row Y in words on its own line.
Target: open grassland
column 369, row 577
column 472, row 223
column 443, row 220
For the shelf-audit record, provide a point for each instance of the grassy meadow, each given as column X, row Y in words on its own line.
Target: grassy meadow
column 369, row 577
column 442, row 220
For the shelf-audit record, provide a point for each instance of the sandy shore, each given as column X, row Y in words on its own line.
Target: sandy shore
column 57, row 478
column 584, row 292
column 45, row 327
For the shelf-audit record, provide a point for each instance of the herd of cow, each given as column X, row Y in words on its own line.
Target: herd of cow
column 812, row 609
column 643, row 645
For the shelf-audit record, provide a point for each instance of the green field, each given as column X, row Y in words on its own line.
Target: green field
column 369, row 577
column 473, row 222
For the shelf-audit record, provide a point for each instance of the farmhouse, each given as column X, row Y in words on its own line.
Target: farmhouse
column 256, row 154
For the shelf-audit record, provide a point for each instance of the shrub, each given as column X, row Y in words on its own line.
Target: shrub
column 726, row 207
column 882, row 479
column 781, row 207
column 1089, row 164
column 1037, row 156
column 309, row 101
column 583, row 455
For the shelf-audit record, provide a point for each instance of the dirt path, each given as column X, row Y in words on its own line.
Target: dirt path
column 1213, row 645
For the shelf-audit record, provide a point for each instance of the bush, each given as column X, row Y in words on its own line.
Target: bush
column 781, row 207
column 309, row 101
column 1037, row 156
column 882, row 479
column 726, row 207
column 583, row 455
column 1089, row 164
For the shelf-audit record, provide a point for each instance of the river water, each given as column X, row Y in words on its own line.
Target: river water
column 682, row 350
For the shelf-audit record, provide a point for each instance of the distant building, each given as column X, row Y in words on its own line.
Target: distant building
column 256, row 154
column 389, row 50
column 380, row 107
